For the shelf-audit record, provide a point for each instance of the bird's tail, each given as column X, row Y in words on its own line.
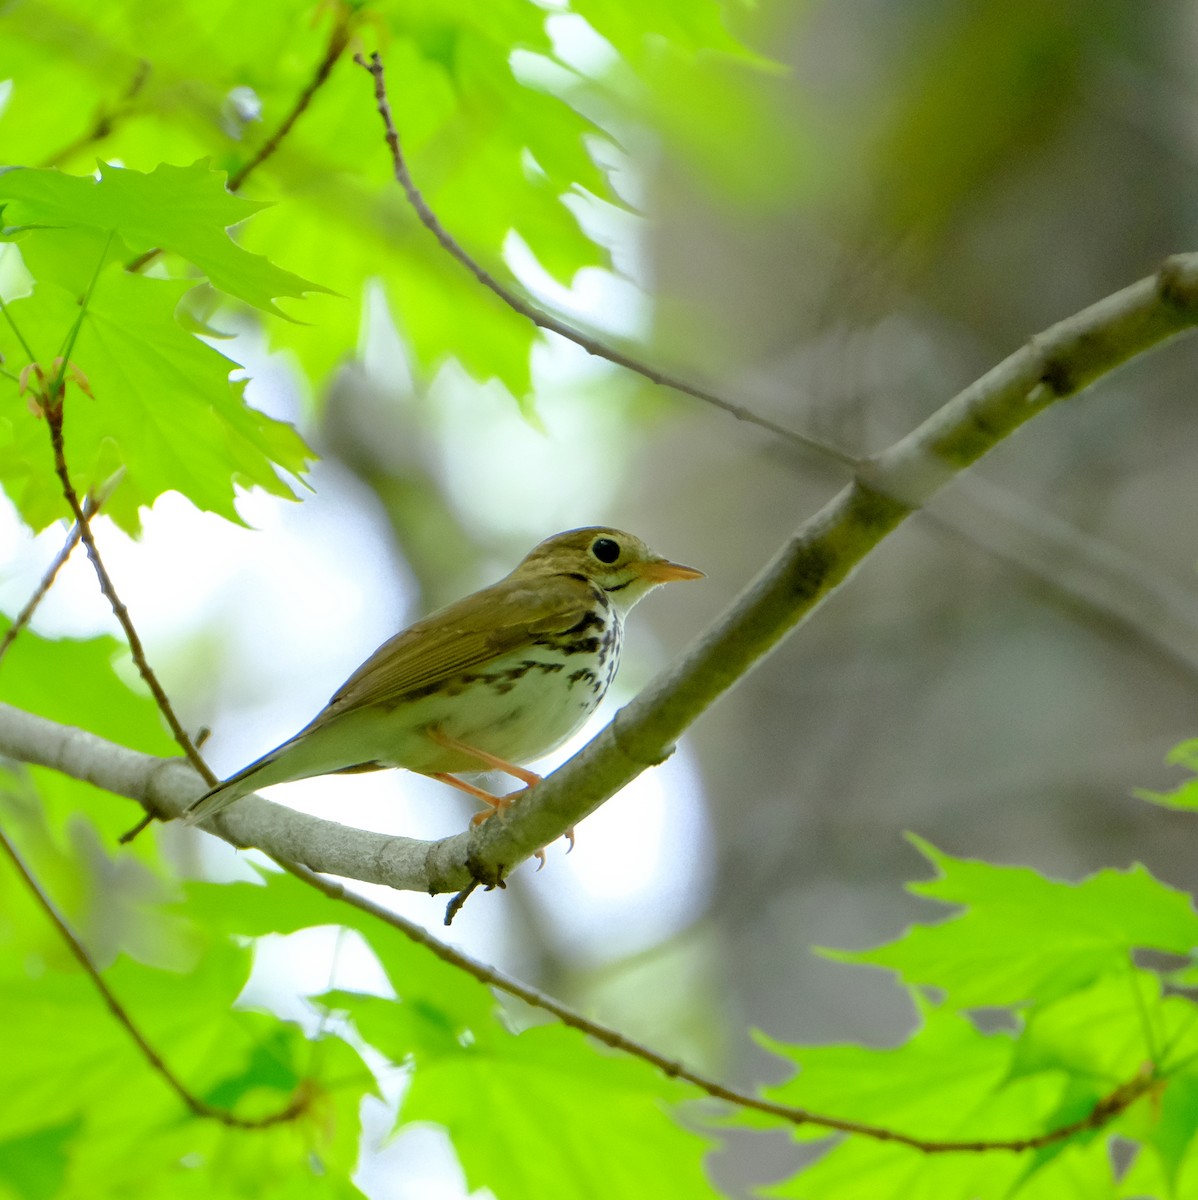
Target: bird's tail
column 246, row 781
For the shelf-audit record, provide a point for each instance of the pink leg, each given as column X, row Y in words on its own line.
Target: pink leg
column 469, row 789
column 528, row 778
column 496, row 803
column 495, row 763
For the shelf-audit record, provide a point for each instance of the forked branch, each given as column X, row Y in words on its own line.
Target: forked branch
column 547, row 321
column 808, row 569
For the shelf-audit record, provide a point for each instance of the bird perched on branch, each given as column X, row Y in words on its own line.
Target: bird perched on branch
column 493, row 681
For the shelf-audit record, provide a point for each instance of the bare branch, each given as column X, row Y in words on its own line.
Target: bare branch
column 1103, row 1112
column 52, row 409
column 338, row 40
column 806, row 571
column 47, row 582
column 167, row 785
column 297, row 1105
column 544, row 320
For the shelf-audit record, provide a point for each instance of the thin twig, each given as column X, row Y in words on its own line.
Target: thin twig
column 47, row 581
column 105, row 119
column 544, row 320
column 50, row 398
column 1103, row 1112
column 52, row 407
column 140, row 827
column 297, row 1105
column 338, row 40
column 459, row 898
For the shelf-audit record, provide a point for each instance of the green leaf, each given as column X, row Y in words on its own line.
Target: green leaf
column 948, row 1081
column 1025, row 937
column 540, row 1113
column 1186, row 795
column 131, row 1131
column 161, row 406
column 690, row 27
column 1170, row 1150
column 34, row 1166
column 865, row 1170
column 184, row 210
column 520, row 1108
column 98, row 699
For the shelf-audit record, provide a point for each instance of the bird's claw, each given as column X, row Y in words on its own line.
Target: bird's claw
column 498, row 803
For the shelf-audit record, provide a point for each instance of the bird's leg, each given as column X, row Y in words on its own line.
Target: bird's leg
column 491, row 761
column 496, row 802
column 495, row 763
column 470, row 789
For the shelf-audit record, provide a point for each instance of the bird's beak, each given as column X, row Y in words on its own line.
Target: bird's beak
column 661, row 570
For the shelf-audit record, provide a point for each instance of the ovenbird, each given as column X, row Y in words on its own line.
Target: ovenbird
column 491, row 682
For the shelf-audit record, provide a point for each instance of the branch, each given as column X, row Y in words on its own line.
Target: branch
column 295, row 1106
column 47, row 582
column 1103, row 1112
column 545, row 320
column 338, row 40
column 52, row 409
column 821, row 555
column 806, row 571
column 105, row 119
column 167, row 785
column 1101, row 577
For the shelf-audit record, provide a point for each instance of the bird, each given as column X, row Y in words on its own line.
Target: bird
column 491, row 682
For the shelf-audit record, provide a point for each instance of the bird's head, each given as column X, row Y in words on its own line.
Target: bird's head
column 621, row 564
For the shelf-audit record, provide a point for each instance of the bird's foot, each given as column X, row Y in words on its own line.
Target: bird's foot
column 495, row 803
column 501, row 802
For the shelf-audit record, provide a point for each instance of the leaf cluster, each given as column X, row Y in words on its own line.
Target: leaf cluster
column 1037, row 1010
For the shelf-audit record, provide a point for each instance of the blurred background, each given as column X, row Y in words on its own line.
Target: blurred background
column 840, row 242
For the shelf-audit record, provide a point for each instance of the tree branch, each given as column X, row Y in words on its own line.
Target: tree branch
column 544, row 320
column 168, row 784
column 1105, row 1111
column 297, row 1105
column 807, row 570
column 338, row 40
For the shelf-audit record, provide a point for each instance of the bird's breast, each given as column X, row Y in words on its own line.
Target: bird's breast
column 522, row 705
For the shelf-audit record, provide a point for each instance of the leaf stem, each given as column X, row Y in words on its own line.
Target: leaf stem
column 68, row 342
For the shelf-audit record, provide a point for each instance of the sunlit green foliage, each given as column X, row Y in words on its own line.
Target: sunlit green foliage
column 503, row 139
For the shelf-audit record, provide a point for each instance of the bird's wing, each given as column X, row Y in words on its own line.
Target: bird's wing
column 484, row 626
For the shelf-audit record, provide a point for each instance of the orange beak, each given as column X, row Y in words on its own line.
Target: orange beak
column 661, row 570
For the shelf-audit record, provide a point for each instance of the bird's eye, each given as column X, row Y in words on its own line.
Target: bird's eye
column 605, row 549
